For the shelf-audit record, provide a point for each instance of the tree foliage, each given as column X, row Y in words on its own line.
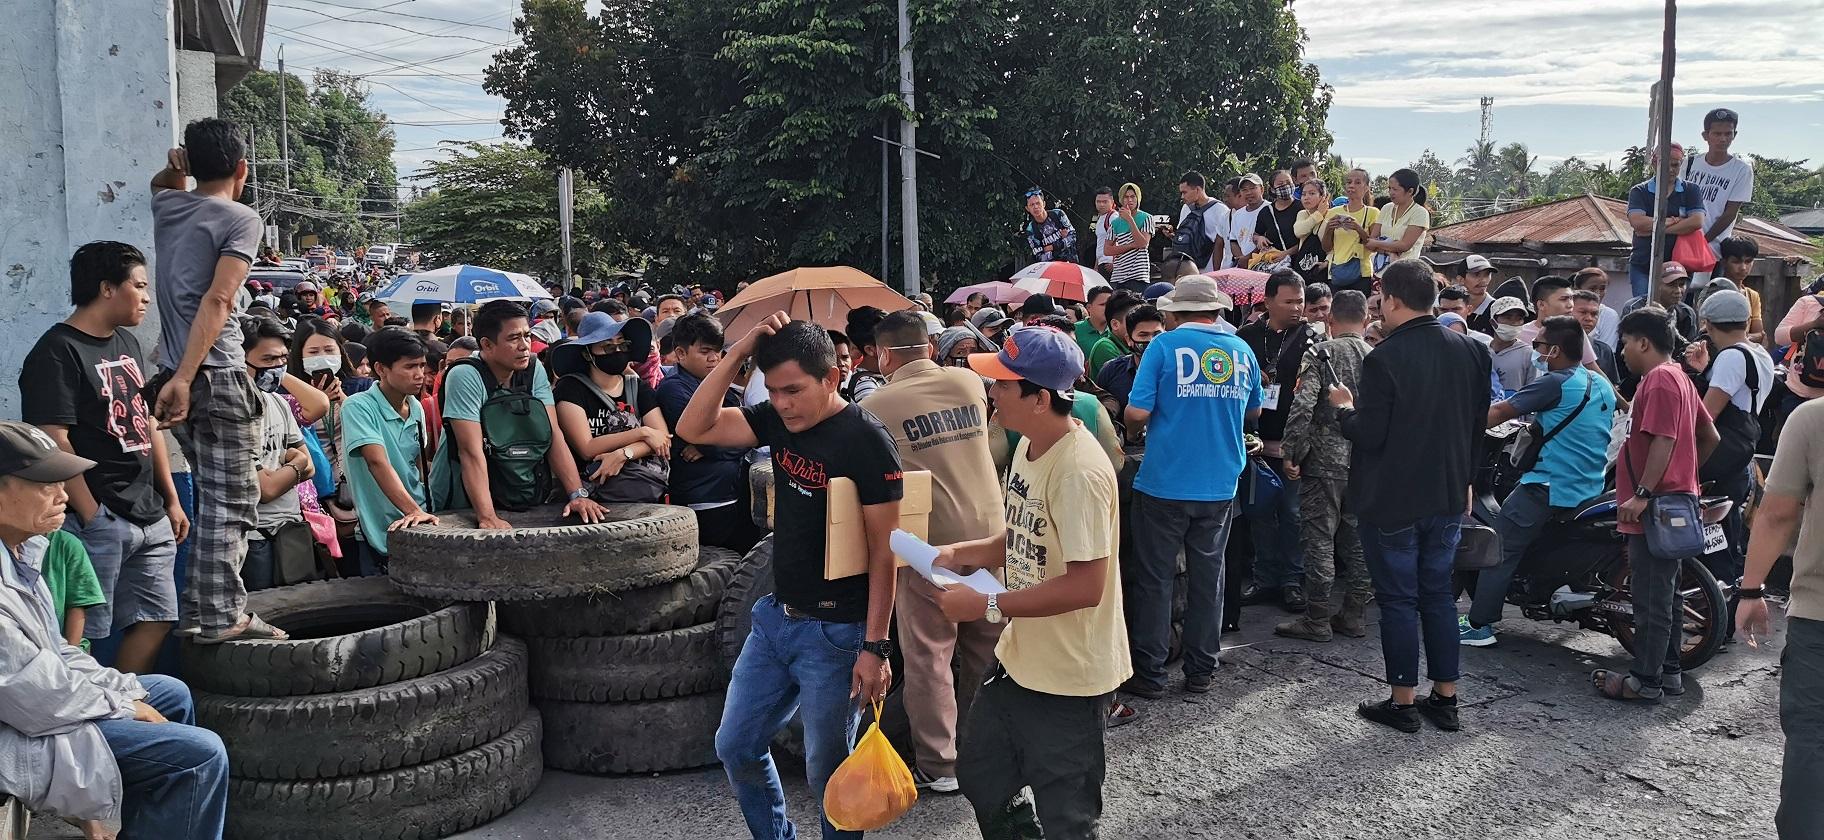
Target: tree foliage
column 738, row 139
column 343, row 185
column 495, row 205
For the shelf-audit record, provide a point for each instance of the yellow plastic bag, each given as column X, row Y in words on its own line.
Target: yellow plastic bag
column 872, row 788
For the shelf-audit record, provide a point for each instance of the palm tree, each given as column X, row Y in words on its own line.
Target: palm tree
column 1478, row 166
column 1516, row 166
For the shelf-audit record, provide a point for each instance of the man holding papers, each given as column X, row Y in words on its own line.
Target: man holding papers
column 938, row 417
column 1038, row 719
column 818, row 646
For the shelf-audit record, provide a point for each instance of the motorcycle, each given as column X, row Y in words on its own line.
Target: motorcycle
column 1577, row 569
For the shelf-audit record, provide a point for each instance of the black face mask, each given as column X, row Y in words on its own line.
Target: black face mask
column 613, row 364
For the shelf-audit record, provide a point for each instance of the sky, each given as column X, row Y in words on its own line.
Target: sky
column 1568, row 77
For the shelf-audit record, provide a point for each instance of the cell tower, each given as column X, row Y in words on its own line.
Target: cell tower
column 1488, row 117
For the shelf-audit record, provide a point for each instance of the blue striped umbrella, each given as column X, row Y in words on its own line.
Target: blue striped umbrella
column 465, row 284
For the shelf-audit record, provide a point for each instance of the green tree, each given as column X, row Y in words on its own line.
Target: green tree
column 343, row 185
column 1479, row 171
column 1516, row 164
column 1571, row 176
column 495, row 205
column 746, row 144
column 1432, row 171
column 1784, row 186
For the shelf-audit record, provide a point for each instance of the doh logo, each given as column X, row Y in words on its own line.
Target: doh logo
column 1214, row 364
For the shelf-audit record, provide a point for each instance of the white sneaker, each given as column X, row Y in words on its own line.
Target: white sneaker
column 935, row 784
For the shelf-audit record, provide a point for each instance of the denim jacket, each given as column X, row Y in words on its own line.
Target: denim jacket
column 52, row 755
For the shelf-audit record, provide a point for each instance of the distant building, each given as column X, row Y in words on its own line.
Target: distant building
column 1808, row 222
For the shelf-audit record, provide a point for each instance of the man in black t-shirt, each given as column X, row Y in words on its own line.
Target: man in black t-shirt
column 818, row 646
column 82, row 385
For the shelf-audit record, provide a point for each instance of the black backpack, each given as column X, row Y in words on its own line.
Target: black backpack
column 1191, row 239
column 515, row 438
column 1739, row 431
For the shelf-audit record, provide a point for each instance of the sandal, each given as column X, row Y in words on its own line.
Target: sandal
column 1621, row 686
column 1121, row 714
column 249, row 629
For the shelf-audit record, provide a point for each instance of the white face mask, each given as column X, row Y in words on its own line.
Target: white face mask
column 1507, row 332
column 314, row 365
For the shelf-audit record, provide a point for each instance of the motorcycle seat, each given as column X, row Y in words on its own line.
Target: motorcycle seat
column 1603, row 505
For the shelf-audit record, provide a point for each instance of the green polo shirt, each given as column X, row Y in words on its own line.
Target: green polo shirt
column 368, row 421
column 1108, row 349
column 1087, row 336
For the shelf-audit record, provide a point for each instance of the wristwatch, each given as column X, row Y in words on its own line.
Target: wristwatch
column 882, row 648
column 994, row 609
column 1751, row 593
column 1643, row 493
column 578, row 493
column 627, row 452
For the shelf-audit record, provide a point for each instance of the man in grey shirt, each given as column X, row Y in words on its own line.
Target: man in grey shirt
column 206, row 240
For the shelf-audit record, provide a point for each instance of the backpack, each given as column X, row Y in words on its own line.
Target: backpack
column 848, row 388
column 1191, row 239
column 1807, row 356
column 1739, row 431
column 515, row 438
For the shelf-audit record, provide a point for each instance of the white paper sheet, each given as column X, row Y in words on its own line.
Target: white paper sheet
column 922, row 555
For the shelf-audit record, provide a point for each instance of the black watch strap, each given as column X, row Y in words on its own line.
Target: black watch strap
column 882, row 648
column 1751, row 593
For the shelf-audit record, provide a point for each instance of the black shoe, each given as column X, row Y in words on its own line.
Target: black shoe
column 1441, row 711
column 1140, row 689
column 1385, row 713
column 1253, row 594
column 1293, row 598
column 1230, row 627
column 1198, row 683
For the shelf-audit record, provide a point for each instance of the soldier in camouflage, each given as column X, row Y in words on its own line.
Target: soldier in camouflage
column 1317, row 453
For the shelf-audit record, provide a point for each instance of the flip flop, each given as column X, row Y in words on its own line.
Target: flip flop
column 1121, row 714
column 1616, row 685
column 250, row 629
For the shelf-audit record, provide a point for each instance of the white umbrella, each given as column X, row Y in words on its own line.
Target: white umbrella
column 461, row 284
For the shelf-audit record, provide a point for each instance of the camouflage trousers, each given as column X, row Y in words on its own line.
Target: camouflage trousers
column 1333, row 550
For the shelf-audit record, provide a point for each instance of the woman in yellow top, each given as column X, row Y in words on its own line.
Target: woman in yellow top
column 1351, row 265
column 1401, row 233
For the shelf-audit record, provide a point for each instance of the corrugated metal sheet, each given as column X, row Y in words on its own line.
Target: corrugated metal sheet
column 1594, row 221
column 1809, row 219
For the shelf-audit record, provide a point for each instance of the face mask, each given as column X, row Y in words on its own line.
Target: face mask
column 269, row 379
column 1140, row 348
column 314, row 365
column 613, row 364
column 1282, row 192
column 1507, row 332
column 1539, row 363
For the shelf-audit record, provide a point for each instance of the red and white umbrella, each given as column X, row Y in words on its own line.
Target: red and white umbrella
column 1245, row 286
column 1061, row 280
column 999, row 292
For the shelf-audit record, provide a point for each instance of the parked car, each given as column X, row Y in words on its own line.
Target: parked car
column 280, row 278
column 379, row 255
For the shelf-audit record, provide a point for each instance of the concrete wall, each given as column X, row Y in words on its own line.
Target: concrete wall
column 90, row 109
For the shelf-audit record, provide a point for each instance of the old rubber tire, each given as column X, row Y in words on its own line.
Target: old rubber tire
column 613, row 669
column 760, row 493
column 643, row 737
column 668, row 606
column 753, row 580
column 426, row 801
column 543, row 557
column 346, row 634
column 371, row 729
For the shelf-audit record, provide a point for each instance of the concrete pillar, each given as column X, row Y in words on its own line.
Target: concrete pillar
column 91, row 109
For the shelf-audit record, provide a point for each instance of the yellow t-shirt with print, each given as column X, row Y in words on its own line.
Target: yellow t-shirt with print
column 1060, row 510
column 1346, row 244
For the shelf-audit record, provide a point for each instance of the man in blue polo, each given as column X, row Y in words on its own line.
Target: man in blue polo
column 1684, row 214
column 1195, row 388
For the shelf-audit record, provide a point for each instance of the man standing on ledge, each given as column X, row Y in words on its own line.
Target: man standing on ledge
column 1424, row 401
column 818, row 646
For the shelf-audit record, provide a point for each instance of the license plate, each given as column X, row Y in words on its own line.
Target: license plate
column 1714, row 539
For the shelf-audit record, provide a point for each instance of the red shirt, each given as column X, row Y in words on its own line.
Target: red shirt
column 1665, row 405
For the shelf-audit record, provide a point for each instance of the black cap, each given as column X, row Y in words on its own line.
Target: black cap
column 27, row 452
column 1039, row 304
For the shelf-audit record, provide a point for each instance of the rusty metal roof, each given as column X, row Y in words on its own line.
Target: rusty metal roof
column 1593, row 221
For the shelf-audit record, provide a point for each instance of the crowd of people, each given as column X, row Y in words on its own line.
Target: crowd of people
column 1282, row 435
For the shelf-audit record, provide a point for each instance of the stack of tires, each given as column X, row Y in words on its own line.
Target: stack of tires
column 384, row 715
column 620, row 619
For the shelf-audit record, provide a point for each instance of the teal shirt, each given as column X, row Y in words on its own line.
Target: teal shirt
column 463, row 394
column 1572, row 463
column 368, row 421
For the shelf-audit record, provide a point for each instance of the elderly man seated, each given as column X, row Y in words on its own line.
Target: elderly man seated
column 77, row 739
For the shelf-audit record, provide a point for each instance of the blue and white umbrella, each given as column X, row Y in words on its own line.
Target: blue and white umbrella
column 464, row 284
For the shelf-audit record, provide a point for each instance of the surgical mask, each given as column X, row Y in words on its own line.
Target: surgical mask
column 269, row 379
column 613, row 364
column 1539, row 363
column 329, row 363
column 1282, row 192
column 1507, row 332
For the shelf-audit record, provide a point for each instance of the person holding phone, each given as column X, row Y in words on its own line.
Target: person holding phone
column 319, row 357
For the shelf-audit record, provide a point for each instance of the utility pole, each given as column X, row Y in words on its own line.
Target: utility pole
column 886, row 192
column 908, row 157
column 565, row 185
column 1660, row 141
column 284, row 125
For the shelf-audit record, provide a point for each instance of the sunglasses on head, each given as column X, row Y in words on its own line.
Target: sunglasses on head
column 1034, row 193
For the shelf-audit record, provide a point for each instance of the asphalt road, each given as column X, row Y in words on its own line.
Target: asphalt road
column 1275, row 751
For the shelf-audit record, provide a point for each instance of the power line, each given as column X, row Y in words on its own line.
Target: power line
column 359, row 10
column 382, row 23
column 382, row 8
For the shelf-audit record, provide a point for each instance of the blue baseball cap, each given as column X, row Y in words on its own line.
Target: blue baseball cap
column 1040, row 355
column 1157, row 291
column 597, row 327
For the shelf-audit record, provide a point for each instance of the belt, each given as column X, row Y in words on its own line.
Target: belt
column 793, row 612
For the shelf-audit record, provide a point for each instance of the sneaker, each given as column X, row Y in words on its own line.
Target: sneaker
column 1198, row 683
column 1473, row 636
column 1385, row 713
column 1441, row 711
column 1139, row 689
column 935, row 784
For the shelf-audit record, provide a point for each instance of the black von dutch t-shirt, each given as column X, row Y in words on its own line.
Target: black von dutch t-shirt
column 849, row 444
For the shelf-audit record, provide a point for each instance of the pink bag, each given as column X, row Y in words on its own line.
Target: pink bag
column 324, row 529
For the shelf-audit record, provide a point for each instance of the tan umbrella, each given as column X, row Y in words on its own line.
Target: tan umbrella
column 822, row 296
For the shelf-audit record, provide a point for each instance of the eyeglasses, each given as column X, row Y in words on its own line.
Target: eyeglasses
column 1543, row 346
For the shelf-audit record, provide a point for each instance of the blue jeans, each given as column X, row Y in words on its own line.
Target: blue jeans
column 1279, row 555
column 175, row 774
column 1200, row 530
column 1523, row 515
column 1638, row 279
column 787, row 665
column 1411, row 564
